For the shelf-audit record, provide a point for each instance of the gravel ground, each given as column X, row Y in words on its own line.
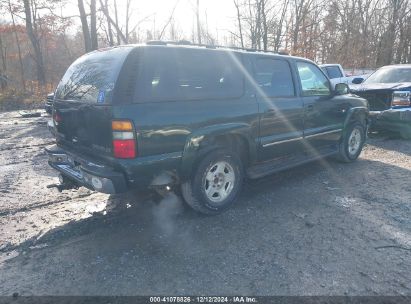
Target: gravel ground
column 322, row 229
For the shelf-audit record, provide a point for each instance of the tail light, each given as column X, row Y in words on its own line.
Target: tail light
column 57, row 118
column 124, row 140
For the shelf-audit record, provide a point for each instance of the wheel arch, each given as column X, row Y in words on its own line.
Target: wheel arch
column 357, row 114
column 234, row 136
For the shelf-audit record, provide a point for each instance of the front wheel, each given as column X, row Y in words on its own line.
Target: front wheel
column 215, row 183
column 405, row 132
column 352, row 143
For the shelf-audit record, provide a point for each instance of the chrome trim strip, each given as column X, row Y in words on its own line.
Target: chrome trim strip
column 323, row 133
column 282, row 141
column 299, row 138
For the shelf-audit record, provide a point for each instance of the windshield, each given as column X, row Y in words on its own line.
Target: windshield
column 390, row 75
column 91, row 78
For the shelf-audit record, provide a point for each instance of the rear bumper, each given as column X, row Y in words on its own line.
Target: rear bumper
column 392, row 119
column 87, row 173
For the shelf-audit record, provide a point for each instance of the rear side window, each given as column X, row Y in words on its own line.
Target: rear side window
column 169, row 74
column 92, row 77
column 333, row 72
column 274, row 77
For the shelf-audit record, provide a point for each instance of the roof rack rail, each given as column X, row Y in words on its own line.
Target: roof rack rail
column 210, row 46
column 165, row 42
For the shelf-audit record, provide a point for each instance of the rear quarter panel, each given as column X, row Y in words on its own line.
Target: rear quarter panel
column 165, row 131
column 165, row 127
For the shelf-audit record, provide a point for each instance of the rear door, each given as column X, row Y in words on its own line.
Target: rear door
column 84, row 98
column 324, row 113
column 281, row 110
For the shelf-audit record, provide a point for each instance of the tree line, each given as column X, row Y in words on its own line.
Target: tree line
column 38, row 41
column 355, row 33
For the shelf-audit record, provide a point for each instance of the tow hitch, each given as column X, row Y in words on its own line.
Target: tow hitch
column 65, row 184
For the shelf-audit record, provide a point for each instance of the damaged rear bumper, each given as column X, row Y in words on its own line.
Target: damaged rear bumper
column 83, row 172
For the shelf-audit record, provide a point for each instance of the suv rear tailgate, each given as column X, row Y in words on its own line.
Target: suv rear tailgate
column 83, row 102
column 84, row 126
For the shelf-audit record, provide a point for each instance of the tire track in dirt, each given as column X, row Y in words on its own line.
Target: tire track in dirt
column 27, row 146
column 38, row 205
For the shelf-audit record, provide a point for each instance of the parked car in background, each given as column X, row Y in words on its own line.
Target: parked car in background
column 48, row 106
column 197, row 118
column 388, row 91
column 335, row 73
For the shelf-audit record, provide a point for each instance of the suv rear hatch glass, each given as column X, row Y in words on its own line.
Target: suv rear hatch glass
column 84, row 97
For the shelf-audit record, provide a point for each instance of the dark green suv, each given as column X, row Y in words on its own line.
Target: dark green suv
column 198, row 118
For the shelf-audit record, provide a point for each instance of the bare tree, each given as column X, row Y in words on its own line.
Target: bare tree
column 127, row 19
column 240, row 28
column 93, row 25
column 31, row 29
column 198, row 22
column 109, row 30
column 121, row 37
column 89, row 32
column 388, row 40
column 84, row 26
column 23, row 81
column 279, row 30
column 3, row 67
column 160, row 36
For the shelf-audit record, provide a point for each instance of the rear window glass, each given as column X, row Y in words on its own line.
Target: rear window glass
column 91, row 78
column 171, row 74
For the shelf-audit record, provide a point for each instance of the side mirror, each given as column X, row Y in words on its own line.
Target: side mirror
column 341, row 89
column 357, row 80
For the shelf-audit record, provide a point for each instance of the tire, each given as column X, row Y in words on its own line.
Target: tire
column 352, row 143
column 405, row 133
column 215, row 183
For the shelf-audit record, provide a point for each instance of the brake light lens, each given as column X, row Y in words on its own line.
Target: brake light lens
column 124, row 148
column 57, row 117
column 124, row 140
column 401, row 98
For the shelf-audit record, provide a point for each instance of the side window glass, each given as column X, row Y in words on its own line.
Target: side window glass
column 325, row 71
column 274, row 77
column 313, row 81
column 334, row 72
column 170, row 74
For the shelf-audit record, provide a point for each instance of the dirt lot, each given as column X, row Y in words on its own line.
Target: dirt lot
column 321, row 229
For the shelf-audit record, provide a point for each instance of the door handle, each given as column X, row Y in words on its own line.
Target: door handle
column 310, row 107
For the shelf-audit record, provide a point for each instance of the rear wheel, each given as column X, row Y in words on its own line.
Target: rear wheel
column 352, row 143
column 215, row 183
